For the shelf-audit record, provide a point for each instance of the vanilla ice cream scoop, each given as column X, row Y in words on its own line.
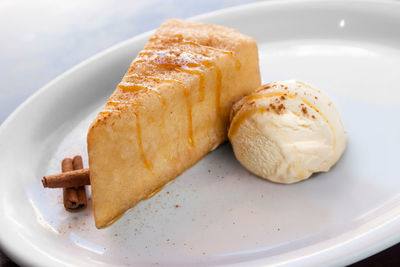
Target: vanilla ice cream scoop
column 285, row 131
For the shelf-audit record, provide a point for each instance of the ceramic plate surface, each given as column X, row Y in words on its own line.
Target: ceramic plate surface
column 217, row 213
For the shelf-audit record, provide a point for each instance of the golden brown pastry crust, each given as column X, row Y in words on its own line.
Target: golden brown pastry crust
column 170, row 109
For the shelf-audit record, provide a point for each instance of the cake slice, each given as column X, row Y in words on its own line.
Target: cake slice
column 170, row 109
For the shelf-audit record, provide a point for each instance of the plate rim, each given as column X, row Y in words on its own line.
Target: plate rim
column 385, row 234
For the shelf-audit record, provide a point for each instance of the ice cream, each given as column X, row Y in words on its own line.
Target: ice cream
column 285, row 131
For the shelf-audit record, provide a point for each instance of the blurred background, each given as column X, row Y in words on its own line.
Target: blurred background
column 42, row 39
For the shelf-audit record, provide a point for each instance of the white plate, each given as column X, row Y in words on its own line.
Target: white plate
column 225, row 215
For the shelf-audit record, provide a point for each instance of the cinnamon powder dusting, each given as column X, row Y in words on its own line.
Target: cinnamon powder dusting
column 276, row 108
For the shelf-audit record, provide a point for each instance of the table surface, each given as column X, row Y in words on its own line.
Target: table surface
column 43, row 39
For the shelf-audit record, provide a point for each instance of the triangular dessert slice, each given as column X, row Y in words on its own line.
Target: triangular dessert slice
column 170, row 109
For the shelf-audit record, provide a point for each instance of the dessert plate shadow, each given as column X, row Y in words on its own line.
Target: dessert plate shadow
column 217, row 213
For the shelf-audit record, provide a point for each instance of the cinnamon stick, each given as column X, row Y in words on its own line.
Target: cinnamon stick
column 73, row 178
column 74, row 197
column 66, row 165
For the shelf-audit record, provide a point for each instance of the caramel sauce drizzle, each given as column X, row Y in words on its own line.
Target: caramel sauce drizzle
column 238, row 65
column 201, row 80
column 238, row 121
column 190, row 138
column 180, row 61
column 218, row 73
column 184, row 62
column 113, row 103
column 189, row 63
column 105, row 112
column 110, row 103
column 209, row 63
column 148, row 165
column 218, row 92
column 188, row 103
column 133, row 87
column 179, row 39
